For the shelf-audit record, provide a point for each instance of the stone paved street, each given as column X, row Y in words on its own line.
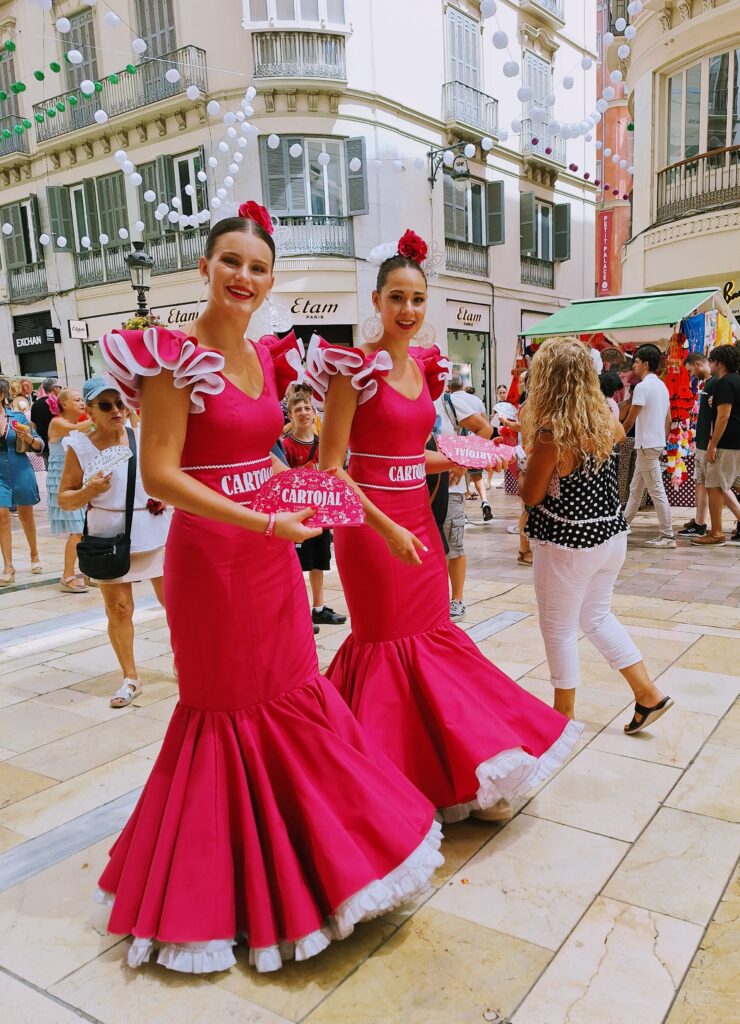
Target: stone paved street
column 612, row 897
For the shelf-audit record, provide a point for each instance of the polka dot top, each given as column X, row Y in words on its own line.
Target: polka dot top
column 581, row 510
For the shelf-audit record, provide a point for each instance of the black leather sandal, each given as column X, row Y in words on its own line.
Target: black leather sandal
column 647, row 715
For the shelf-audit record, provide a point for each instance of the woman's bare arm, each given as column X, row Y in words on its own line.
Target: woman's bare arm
column 59, row 428
column 541, row 464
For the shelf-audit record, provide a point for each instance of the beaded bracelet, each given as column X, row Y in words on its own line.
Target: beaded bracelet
column 271, row 523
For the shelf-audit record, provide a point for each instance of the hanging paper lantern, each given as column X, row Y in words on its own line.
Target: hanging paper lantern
column 138, row 46
column 51, row 112
column 586, row 63
column 215, row 202
column 568, row 82
column 149, row 196
column 548, row 150
column 139, row 225
column 72, row 100
column 212, row 161
column 620, row 24
column 172, row 75
column 136, row 179
column 213, row 107
column 7, row 229
column 223, row 147
column 63, row 25
column 114, row 79
column 608, row 38
column 630, row 32
column 635, row 7
column 609, row 93
column 516, row 126
column 39, row 76
column 486, row 143
column 55, row 66
column 101, row 116
column 231, row 132
column 630, row 127
column 173, row 216
column 488, row 8
column 229, row 118
column 597, row 182
column 86, row 242
column 122, row 234
column 201, row 176
column 355, row 165
column 189, row 190
column 624, row 51
column 233, row 169
column 626, row 197
column 573, row 168
column 87, row 88
column 61, row 241
column 111, row 19
column 616, row 76
column 524, row 93
column 39, row 117
column 221, row 193
column 587, row 175
column 74, row 56
column 229, row 181
column 44, row 239
column 193, row 93
column 127, row 167
column 511, row 69
column 500, row 40
column 98, row 87
column 9, row 45
column 535, row 140
column 242, row 142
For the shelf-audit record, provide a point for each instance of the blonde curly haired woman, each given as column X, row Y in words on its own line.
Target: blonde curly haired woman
column 576, row 524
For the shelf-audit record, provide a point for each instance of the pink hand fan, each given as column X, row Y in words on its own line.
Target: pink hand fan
column 335, row 502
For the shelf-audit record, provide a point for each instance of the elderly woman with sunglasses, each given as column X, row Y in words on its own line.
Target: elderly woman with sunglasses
column 103, row 493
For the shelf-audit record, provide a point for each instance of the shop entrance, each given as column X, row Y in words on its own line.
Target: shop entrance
column 470, row 355
column 33, row 341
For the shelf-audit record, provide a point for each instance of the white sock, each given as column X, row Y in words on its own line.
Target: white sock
column 319, row 608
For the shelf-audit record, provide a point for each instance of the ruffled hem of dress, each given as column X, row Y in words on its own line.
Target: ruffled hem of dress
column 399, row 886
column 513, row 772
column 571, row 547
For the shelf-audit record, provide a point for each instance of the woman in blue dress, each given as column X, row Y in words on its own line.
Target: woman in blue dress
column 18, row 489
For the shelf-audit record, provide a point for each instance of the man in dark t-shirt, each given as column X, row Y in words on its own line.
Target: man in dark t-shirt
column 723, row 444
column 41, row 415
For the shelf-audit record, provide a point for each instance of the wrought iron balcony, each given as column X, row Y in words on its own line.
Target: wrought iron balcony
column 13, row 143
column 96, row 266
column 466, row 258
column 550, row 148
column 705, row 182
column 552, row 11
column 28, row 282
column 469, row 107
column 131, row 92
column 540, row 273
column 293, row 54
column 317, row 236
column 177, row 250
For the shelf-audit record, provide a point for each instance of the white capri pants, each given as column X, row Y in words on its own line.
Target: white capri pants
column 574, row 589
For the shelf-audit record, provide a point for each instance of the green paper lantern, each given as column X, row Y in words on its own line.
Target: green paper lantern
column 114, row 79
column 66, row 58
column 630, row 127
column 9, row 45
column 7, row 133
column 14, row 88
column 21, row 86
column 61, row 107
column 3, row 95
column 51, row 112
column 26, row 123
column 39, row 76
column 18, row 129
column 55, row 67
column 39, row 118
column 132, row 69
column 73, row 101
column 98, row 87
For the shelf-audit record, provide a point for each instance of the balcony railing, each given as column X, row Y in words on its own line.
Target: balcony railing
column 540, row 273
column 317, row 236
column 13, row 143
column 548, row 147
column 177, row 250
column 28, row 282
column 467, row 106
column 705, row 182
column 148, row 85
column 96, row 266
column 291, row 54
column 550, row 9
column 466, row 258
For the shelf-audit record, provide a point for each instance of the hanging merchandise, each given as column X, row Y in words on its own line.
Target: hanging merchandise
column 680, row 439
column 710, row 330
column 693, row 329
column 724, row 331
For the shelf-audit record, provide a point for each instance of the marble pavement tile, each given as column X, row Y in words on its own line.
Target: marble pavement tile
column 673, row 740
column 437, row 969
column 100, row 658
column 534, row 880
column 24, row 1005
column 710, row 989
column 49, row 924
column 621, row 965
column 112, row 993
column 679, row 866
column 161, row 710
column 713, row 654
column 28, row 725
column 16, row 783
column 462, row 841
column 605, row 793
column 106, row 684
column 67, row 800
column 11, row 695
column 68, row 757
column 710, row 785
column 9, row 665
column 710, row 615
column 709, row 693
column 9, row 839
column 97, row 709
column 652, row 648
column 42, row 679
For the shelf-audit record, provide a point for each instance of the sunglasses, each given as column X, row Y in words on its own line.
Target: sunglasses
column 106, row 406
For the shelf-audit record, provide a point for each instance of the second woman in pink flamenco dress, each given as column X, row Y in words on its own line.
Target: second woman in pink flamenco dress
column 463, row 732
column 268, row 814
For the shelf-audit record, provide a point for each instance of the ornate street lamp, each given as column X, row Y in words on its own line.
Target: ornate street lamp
column 140, row 265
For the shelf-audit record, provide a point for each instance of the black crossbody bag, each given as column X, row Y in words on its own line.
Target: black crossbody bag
column 108, row 558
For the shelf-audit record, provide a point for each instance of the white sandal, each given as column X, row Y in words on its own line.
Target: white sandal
column 129, row 690
column 37, row 569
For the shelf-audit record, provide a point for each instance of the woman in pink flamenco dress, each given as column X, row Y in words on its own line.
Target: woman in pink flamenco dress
column 463, row 732
column 268, row 814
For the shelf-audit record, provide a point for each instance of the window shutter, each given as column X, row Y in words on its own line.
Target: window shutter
column 36, row 227
column 60, row 216
column 461, row 214
column 112, row 205
column 93, row 218
column 449, row 190
column 156, row 23
column 561, row 232
column 275, row 176
column 152, row 227
column 201, row 187
column 463, row 48
column 82, row 37
column 496, row 216
column 527, row 224
column 295, row 175
column 166, row 187
column 15, row 250
column 357, row 190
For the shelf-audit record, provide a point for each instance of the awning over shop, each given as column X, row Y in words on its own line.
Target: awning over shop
column 628, row 314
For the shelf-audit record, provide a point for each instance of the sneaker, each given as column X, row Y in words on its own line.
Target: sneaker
column 457, row 610
column 691, row 522
column 710, row 538
column 487, row 512
column 514, row 530
column 692, row 529
column 316, row 631
column 663, row 542
column 501, row 811
column 328, row 617
column 735, row 537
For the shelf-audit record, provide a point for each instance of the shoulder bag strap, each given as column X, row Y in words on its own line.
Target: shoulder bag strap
column 131, row 484
column 451, row 411
column 314, row 449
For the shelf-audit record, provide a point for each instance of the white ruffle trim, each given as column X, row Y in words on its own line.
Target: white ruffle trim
column 324, row 363
column 513, row 772
column 402, row 884
column 193, row 366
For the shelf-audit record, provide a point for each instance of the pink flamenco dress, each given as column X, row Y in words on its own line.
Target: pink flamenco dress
column 269, row 814
column 463, row 732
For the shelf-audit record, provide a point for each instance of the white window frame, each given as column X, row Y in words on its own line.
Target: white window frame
column 188, row 159
column 541, row 254
column 297, row 21
column 305, row 142
column 467, row 192
column 29, row 231
column 703, row 63
column 83, row 231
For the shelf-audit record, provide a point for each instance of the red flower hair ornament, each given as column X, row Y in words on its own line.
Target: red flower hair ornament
column 253, row 211
column 413, row 247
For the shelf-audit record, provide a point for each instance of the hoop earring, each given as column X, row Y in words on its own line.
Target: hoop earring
column 201, row 297
column 427, row 335
column 372, row 329
column 280, row 317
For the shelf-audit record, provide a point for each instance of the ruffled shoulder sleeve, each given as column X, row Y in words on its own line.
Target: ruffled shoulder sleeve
column 324, row 361
column 80, row 444
column 286, row 355
column 435, row 366
column 132, row 355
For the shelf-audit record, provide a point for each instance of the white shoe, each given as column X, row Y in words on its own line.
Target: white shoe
column 512, row 530
column 457, row 610
column 661, row 542
column 500, row 811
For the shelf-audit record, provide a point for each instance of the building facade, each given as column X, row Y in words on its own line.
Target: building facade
column 684, row 78
column 357, row 102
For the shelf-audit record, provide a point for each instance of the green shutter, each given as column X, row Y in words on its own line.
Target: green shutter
column 152, row 227
column 112, row 205
column 201, row 187
column 283, row 178
column 60, row 217
column 561, row 232
column 35, row 226
column 357, row 191
column 15, row 250
column 527, row 224
column 166, row 187
column 93, row 218
column 496, row 214
column 449, row 198
column 295, row 177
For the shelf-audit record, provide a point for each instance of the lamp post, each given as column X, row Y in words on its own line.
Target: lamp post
column 140, row 265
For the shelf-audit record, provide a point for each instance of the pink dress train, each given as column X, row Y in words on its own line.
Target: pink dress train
column 463, row 732
column 269, row 813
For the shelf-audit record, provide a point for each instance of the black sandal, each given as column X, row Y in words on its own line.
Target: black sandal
column 648, row 715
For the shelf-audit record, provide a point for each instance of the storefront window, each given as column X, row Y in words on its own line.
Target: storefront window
column 470, row 357
column 719, row 68
column 675, row 108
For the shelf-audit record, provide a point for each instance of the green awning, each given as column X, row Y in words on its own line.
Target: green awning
column 619, row 314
